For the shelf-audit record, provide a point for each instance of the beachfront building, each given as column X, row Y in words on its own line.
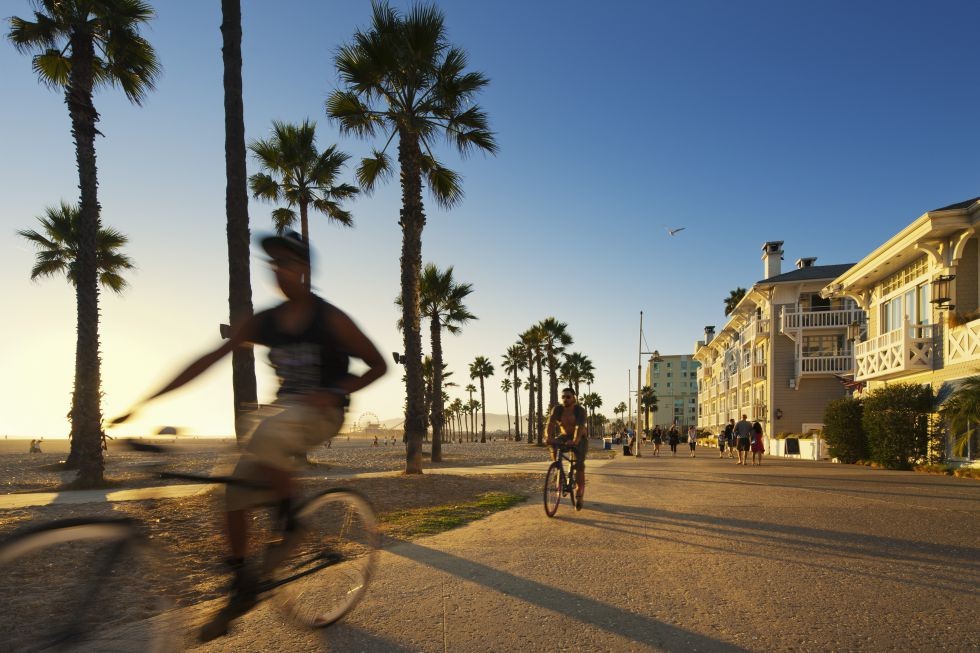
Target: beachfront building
column 921, row 292
column 781, row 356
column 674, row 380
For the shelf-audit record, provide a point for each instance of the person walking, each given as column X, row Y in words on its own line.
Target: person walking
column 658, row 438
column 692, row 439
column 758, row 448
column 743, row 435
column 730, row 437
column 673, row 438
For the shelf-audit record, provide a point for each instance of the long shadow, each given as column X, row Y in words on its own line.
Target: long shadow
column 896, row 549
column 754, row 480
column 955, row 582
column 589, row 611
column 343, row 637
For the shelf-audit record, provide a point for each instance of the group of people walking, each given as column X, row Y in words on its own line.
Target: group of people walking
column 672, row 437
column 741, row 438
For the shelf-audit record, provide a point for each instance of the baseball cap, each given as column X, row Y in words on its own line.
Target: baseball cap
column 289, row 243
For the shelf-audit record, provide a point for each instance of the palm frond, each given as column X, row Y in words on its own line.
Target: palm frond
column 332, row 210
column 27, row 36
column 373, row 169
column 283, row 219
column 264, row 187
column 352, row 115
column 445, row 185
column 52, row 67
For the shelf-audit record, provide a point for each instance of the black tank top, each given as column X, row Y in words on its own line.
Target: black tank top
column 304, row 361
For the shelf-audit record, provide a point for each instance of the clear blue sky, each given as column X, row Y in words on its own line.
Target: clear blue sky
column 827, row 125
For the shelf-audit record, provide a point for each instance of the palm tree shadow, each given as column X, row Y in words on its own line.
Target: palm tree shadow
column 610, row 618
column 344, row 637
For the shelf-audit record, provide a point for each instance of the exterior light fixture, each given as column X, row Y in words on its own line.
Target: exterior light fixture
column 854, row 331
column 942, row 291
column 779, row 413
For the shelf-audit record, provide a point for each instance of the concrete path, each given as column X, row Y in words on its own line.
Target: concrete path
column 675, row 554
column 29, row 499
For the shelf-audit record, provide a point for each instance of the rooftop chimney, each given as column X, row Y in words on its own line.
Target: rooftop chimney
column 709, row 334
column 772, row 255
column 805, row 262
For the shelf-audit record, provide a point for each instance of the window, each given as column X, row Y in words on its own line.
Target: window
column 829, row 345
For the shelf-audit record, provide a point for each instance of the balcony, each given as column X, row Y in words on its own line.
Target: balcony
column 904, row 350
column 798, row 320
column 759, row 372
column 759, row 412
column 814, row 365
column 963, row 343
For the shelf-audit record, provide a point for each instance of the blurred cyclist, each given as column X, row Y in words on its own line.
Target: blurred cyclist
column 310, row 344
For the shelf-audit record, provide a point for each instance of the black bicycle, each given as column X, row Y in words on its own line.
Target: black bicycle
column 99, row 584
column 560, row 479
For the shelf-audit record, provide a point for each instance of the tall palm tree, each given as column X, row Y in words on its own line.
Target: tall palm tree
column 648, row 400
column 80, row 46
column 620, row 409
column 576, row 368
column 402, row 78
column 57, row 253
column 481, row 368
column 457, row 407
column 514, row 363
column 507, row 386
column 441, row 300
column 474, row 406
column 470, row 389
column 236, row 212
column 556, row 338
column 298, row 174
column 533, row 341
column 734, row 297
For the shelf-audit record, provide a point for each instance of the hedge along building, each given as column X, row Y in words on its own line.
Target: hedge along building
column 781, row 354
column 921, row 292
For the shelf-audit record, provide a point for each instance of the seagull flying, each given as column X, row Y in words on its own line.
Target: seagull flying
column 673, row 232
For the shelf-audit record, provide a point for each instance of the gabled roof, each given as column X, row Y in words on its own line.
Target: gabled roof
column 812, row 273
column 959, row 205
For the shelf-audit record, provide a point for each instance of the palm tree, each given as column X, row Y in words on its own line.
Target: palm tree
column 734, row 297
column 470, row 389
column 591, row 401
column 556, row 338
column 648, row 400
column 507, row 386
column 441, row 300
column 533, row 341
column 621, row 410
column 80, row 46
column 295, row 172
column 576, row 368
column 481, row 368
column 57, row 253
column 402, row 78
column 236, row 213
column 457, row 408
column 474, row 406
column 514, row 363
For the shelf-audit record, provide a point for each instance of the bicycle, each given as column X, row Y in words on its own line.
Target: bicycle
column 105, row 582
column 560, row 479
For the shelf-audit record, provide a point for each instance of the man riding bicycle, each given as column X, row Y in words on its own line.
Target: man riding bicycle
column 566, row 426
column 310, row 344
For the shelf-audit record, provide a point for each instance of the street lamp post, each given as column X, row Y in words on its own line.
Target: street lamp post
column 654, row 358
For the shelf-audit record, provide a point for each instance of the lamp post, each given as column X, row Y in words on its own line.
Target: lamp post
column 654, row 358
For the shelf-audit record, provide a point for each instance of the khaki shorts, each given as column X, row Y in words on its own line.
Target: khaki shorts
column 282, row 434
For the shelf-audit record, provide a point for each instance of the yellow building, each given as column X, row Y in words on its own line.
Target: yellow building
column 921, row 292
column 674, row 380
column 780, row 357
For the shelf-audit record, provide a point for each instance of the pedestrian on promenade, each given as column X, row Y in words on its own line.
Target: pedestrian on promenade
column 673, row 438
column 758, row 448
column 658, row 438
column 730, row 437
column 743, row 435
column 721, row 444
column 692, row 439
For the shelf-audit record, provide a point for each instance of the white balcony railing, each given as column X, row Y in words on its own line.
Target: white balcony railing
column 795, row 320
column 826, row 364
column 759, row 371
column 906, row 349
column 963, row 343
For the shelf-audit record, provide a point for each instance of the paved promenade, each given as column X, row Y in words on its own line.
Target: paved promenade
column 682, row 555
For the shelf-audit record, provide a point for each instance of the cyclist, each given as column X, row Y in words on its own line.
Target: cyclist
column 566, row 425
column 310, row 343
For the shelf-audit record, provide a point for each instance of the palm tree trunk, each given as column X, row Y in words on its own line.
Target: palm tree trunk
column 540, row 425
column 483, row 413
column 552, row 380
column 435, row 332
column 530, row 398
column 304, row 226
column 236, row 212
column 86, row 410
column 517, row 409
column 507, row 405
column 412, row 221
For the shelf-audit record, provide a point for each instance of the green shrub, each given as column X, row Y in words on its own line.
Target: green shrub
column 934, row 468
column 967, row 472
column 896, row 421
column 843, row 431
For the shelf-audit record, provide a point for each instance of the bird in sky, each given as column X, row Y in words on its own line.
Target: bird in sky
column 674, row 232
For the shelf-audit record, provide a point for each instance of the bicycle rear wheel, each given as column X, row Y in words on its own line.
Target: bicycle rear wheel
column 83, row 585
column 331, row 558
column 552, row 488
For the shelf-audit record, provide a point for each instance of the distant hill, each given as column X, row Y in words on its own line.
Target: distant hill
column 495, row 422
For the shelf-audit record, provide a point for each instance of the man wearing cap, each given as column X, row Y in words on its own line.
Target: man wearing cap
column 310, row 344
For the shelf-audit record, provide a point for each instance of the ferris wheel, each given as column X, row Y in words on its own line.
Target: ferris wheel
column 366, row 421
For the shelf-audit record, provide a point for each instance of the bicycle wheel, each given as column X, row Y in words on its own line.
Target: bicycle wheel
column 553, row 485
column 331, row 558
column 83, row 585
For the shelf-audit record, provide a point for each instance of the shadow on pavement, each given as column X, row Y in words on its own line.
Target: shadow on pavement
column 341, row 637
column 595, row 613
